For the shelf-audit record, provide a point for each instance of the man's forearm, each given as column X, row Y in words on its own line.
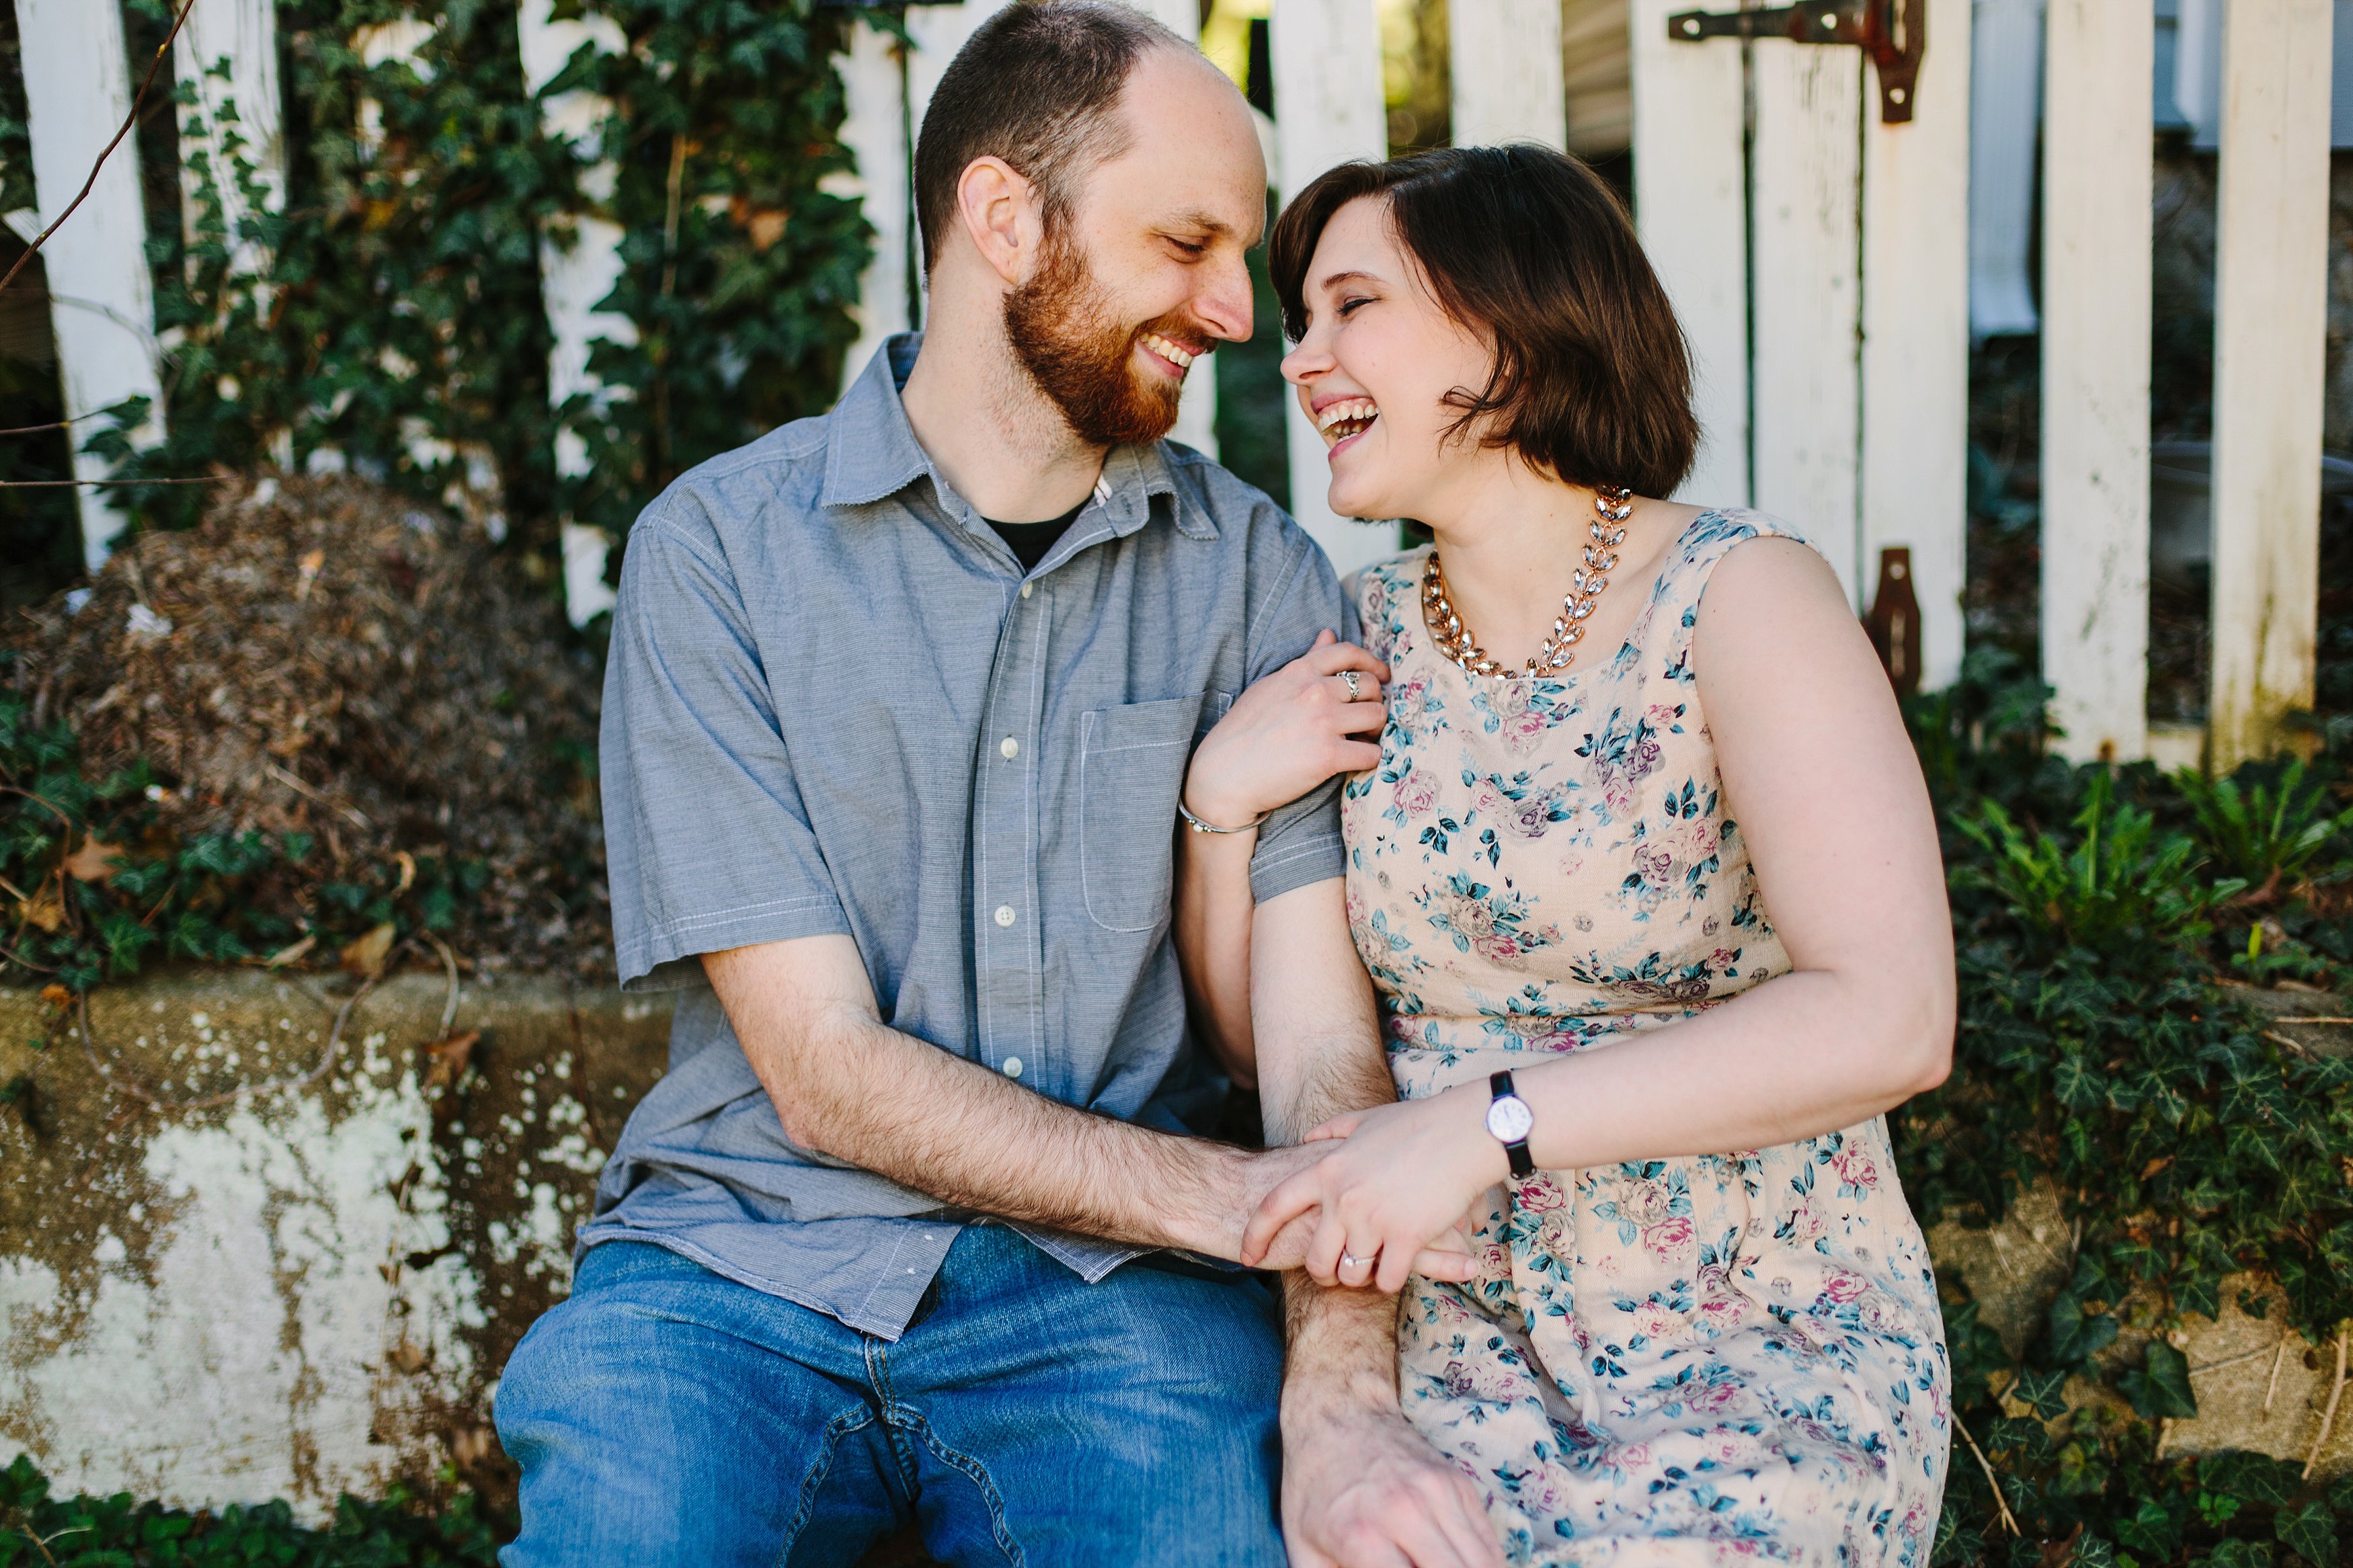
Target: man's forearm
column 846, row 1085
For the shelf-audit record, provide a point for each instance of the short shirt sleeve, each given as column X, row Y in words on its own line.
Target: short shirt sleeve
column 708, row 845
column 1300, row 843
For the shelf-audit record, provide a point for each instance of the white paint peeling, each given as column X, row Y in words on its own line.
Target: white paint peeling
column 249, row 1353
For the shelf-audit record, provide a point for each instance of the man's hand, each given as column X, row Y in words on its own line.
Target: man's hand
column 1366, row 1490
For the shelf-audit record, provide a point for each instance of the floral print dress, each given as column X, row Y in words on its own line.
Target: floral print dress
column 1688, row 1361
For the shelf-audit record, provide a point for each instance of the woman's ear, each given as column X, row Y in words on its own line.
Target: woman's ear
column 998, row 206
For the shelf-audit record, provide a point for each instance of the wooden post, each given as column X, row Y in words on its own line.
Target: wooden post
column 874, row 128
column 1916, row 339
column 101, row 301
column 1506, row 64
column 1691, row 199
column 2271, row 309
column 227, row 62
column 1807, row 172
column 2098, row 63
column 573, row 280
column 2005, row 107
column 1328, row 108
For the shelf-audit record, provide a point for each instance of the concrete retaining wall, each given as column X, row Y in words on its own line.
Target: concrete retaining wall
column 302, row 1291
column 306, row 1290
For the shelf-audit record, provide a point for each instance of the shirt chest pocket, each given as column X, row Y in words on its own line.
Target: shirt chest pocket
column 1131, row 770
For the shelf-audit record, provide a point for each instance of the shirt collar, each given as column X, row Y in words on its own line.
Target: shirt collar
column 872, row 452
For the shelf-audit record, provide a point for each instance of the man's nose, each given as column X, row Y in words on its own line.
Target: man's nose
column 1225, row 306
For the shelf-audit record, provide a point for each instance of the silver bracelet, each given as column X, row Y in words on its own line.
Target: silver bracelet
column 1197, row 825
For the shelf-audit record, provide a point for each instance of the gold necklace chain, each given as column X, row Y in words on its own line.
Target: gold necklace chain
column 1454, row 641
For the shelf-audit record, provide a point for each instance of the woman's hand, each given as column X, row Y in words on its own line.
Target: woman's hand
column 1403, row 1175
column 1289, row 733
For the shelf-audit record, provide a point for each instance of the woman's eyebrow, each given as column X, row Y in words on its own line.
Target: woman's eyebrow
column 1354, row 274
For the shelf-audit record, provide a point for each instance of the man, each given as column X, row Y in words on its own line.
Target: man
column 899, row 708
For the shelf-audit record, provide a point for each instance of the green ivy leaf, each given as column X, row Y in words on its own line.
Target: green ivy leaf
column 2200, row 1293
column 2238, row 1554
column 2309, row 1531
column 2074, row 1335
column 2043, row 1389
column 2159, row 1386
column 2254, row 1478
column 2153, row 1531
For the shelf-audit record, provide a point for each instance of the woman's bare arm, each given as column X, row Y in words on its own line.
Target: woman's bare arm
column 1827, row 794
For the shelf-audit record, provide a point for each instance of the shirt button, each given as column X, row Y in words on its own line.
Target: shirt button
column 1026, row 587
column 1013, row 1067
column 1008, row 748
column 1005, row 914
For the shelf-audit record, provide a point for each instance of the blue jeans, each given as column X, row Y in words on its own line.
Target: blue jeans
column 665, row 1415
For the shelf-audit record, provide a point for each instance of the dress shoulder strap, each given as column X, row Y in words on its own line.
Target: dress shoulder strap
column 1666, row 631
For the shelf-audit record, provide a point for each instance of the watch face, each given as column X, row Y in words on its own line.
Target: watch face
column 1509, row 1119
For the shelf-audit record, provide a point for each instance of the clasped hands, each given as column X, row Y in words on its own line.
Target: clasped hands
column 1375, row 1196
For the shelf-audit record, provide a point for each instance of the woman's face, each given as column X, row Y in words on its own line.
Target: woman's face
column 1373, row 370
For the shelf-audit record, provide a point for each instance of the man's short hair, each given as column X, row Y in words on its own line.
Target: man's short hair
column 1593, row 378
column 1037, row 85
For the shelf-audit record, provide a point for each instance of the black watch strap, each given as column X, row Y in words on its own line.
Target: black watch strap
column 1499, row 1086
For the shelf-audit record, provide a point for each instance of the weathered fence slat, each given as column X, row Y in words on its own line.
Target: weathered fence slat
column 1807, row 175
column 874, row 131
column 2098, row 63
column 1506, row 68
column 1691, row 207
column 101, row 301
column 227, row 61
column 572, row 280
column 2271, row 309
column 1327, row 110
column 2006, row 54
column 1916, row 339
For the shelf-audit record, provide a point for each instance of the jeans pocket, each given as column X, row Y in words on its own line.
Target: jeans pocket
column 1131, row 770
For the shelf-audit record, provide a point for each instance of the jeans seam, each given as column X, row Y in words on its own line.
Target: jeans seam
column 840, row 1426
column 977, row 1473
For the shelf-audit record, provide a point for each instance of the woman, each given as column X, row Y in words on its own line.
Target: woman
column 1647, row 882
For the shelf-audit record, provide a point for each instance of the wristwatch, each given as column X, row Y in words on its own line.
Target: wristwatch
column 1511, row 1121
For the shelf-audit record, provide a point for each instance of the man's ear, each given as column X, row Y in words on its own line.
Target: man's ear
column 999, row 211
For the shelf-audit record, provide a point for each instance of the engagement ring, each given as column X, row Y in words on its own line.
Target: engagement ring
column 1349, row 1260
column 1349, row 679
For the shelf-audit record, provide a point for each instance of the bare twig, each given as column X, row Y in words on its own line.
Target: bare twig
column 295, row 783
column 2271, row 1389
column 2008, row 1520
column 2328, row 1416
column 128, row 122
column 74, row 484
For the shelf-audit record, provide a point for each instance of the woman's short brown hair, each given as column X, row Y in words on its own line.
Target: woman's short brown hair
column 1527, row 246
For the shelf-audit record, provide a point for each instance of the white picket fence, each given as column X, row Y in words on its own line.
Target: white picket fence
column 1821, row 258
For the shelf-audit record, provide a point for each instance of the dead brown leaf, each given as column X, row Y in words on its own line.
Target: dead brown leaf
column 449, row 1058
column 44, row 909
column 363, row 956
column 94, row 861
column 407, row 864
column 57, row 996
column 290, row 953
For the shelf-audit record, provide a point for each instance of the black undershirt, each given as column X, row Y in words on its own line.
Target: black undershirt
column 1029, row 541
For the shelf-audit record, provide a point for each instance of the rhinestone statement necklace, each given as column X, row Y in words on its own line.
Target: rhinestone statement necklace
column 1453, row 640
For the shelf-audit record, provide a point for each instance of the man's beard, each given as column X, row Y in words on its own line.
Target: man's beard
column 1066, row 337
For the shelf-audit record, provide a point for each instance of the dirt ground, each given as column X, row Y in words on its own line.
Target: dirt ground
column 324, row 658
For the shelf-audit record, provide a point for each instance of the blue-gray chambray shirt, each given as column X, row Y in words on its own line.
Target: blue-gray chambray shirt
column 835, row 704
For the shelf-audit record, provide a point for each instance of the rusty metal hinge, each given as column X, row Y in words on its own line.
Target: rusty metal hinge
column 1893, row 33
